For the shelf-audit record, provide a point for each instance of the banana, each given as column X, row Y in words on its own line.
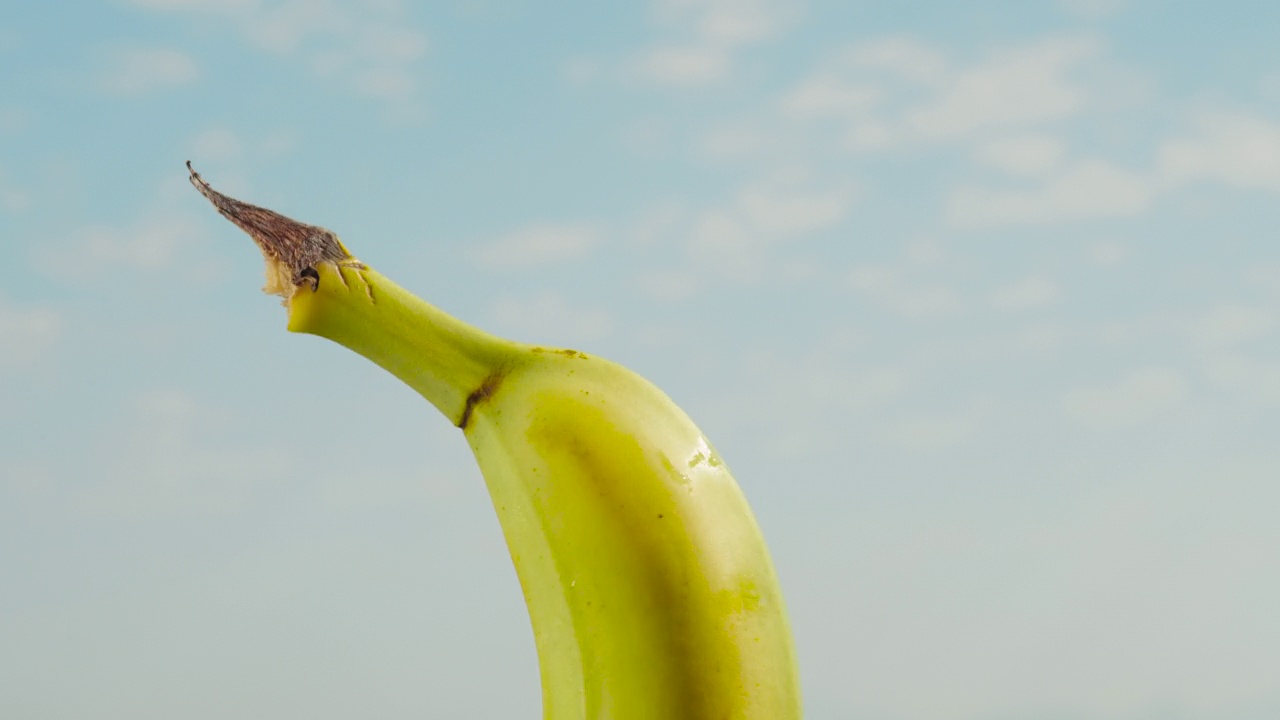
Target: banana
column 649, row 587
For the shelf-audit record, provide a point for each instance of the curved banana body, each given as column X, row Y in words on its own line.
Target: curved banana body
column 649, row 587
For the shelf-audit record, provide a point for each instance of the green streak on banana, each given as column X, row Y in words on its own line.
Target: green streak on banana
column 649, row 587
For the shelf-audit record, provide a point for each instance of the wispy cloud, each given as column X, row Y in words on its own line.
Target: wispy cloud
column 1142, row 396
column 1017, row 87
column 152, row 243
column 737, row 240
column 367, row 46
column 903, row 93
column 1226, row 326
column 1250, row 378
column 537, row 245
column 13, row 119
column 887, row 287
column 904, row 57
column 171, row 455
column 932, row 432
column 548, row 315
column 12, row 197
column 1093, row 9
column 217, row 145
column 27, row 333
column 782, row 209
column 794, row 394
column 213, row 6
column 1030, row 292
column 897, row 90
column 1236, row 149
column 704, row 36
column 667, row 285
column 138, row 70
column 1022, row 155
column 684, row 65
column 828, row 96
column 1092, row 188
column 221, row 144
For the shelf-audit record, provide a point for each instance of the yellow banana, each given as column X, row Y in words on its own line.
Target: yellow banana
column 649, row 586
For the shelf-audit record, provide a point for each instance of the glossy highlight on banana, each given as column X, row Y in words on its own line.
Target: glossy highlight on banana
column 649, row 587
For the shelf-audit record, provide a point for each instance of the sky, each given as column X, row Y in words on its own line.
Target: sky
column 977, row 300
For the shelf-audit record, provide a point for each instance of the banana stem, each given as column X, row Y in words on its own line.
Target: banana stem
column 330, row 293
column 450, row 363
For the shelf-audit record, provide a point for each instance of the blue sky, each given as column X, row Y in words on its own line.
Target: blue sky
column 977, row 299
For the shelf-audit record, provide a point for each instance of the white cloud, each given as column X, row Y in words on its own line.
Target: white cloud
column 734, row 141
column 224, row 145
column 1041, row 339
column 777, row 210
column 1236, row 149
column 1249, row 377
column 1264, row 276
column 1092, row 188
column 668, row 285
column 726, row 22
column 647, row 136
column 931, row 432
column 549, row 317
column 734, row 22
column 860, row 89
column 1110, row 253
column 367, row 46
column 283, row 28
column 12, row 198
column 13, row 120
column 821, row 381
column 658, row 225
column 581, row 70
column 216, row 145
column 378, row 61
column 210, row 6
column 1227, row 326
column 795, row 394
column 1022, row 155
column 26, row 333
column 134, row 71
column 1269, row 86
column 906, row 57
column 897, row 92
column 150, row 244
column 1144, row 395
column 1030, row 292
column 735, row 240
column 27, row 477
column 723, row 241
column 1024, row 86
column 1093, row 9
column 434, row 483
column 925, row 252
column 829, row 96
column 869, row 137
column 887, row 288
column 538, row 245
column 170, row 457
column 684, row 65
column 709, row 32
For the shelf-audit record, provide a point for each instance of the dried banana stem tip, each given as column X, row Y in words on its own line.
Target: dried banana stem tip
column 291, row 249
